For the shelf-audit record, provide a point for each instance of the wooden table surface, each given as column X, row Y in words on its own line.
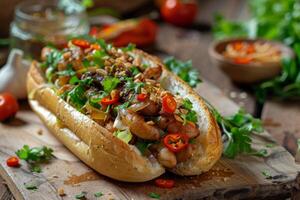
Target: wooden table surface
column 280, row 118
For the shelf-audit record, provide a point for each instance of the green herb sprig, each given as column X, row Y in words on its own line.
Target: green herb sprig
column 35, row 156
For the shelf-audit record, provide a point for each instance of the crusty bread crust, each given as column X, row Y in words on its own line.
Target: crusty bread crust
column 105, row 153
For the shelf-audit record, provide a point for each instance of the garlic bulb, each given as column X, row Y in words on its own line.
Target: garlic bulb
column 13, row 74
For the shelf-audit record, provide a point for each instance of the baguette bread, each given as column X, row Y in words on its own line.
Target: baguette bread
column 101, row 150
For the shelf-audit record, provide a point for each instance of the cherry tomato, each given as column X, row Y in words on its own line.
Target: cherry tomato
column 12, row 161
column 8, row 106
column 142, row 35
column 164, row 183
column 81, row 43
column 179, row 12
column 242, row 60
column 176, row 142
column 106, row 101
column 168, row 104
column 141, row 97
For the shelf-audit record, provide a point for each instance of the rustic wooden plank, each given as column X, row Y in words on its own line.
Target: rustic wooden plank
column 5, row 193
column 282, row 120
column 229, row 179
column 193, row 45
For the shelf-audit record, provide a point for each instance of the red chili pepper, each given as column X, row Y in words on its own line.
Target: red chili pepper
column 242, row 60
column 106, row 101
column 81, row 43
column 168, row 104
column 94, row 31
column 141, row 97
column 176, row 142
column 164, row 183
column 12, row 161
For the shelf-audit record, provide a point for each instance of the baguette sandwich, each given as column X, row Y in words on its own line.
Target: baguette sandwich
column 122, row 112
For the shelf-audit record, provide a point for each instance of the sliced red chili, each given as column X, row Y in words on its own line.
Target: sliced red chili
column 176, row 142
column 242, row 60
column 81, row 43
column 141, row 97
column 164, row 183
column 13, row 161
column 168, row 104
column 106, row 101
column 94, row 31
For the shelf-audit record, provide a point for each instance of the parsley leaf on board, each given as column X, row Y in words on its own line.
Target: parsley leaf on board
column 98, row 194
column 35, row 156
column 154, row 195
column 184, row 70
column 81, row 195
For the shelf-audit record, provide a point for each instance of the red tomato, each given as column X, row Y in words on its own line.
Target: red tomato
column 176, row 142
column 81, row 43
column 8, row 106
column 179, row 12
column 242, row 60
column 143, row 34
column 12, row 161
column 106, row 101
column 164, row 183
column 141, row 97
column 168, row 104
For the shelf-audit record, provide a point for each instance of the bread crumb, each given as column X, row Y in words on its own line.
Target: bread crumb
column 61, row 192
column 40, row 132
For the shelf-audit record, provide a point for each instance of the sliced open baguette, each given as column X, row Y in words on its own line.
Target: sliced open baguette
column 107, row 154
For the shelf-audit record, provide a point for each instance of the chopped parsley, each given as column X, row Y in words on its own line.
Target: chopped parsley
column 132, row 86
column 134, row 70
column 110, row 83
column 35, row 156
column 154, row 195
column 98, row 194
column 191, row 115
column 31, row 186
column 82, row 195
column 184, row 70
column 129, row 47
column 143, row 145
column 77, row 96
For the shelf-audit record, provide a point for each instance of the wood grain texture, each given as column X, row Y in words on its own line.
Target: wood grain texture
column 229, row 179
column 282, row 119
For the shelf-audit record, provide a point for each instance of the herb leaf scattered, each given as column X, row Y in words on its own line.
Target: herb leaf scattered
column 191, row 115
column 35, row 156
column 31, row 186
column 110, row 83
column 98, row 194
column 154, row 195
column 81, row 196
column 184, row 70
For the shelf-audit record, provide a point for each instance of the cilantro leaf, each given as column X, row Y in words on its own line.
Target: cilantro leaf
column 35, row 156
column 134, row 70
column 98, row 194
column 51, row 62
column 77, row 96
column 98, row 57
column 132, row 86
column 31, row 186
column 67, row 72
column 129, row 47
column 82, row 195
column 110, row 83
column 143, row 145
column 154, row 195
column 191, row 115
column 184, row 70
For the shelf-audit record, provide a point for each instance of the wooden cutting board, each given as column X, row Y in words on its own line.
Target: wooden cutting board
column 241, row 178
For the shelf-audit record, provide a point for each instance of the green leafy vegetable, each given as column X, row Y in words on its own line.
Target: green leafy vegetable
column 31, row 186
column 154, row 195
column 110, row 83
column 98, row 194
column 87, row 3
column 98, row 57
column 129, row 47
column 82, row 195
column 134, row 70
column 191, row 115
column 143, row 145
column 35, row 156
column 266, row 174
column 77, row 97
column 184, row 70
column 238, row 129
column 67, row 72
column 123, row 135
column 52, row 60
column 130, row 85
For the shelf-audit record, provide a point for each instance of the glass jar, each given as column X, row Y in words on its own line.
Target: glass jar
column 38, row 23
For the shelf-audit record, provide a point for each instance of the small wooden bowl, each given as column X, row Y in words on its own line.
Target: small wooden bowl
column 247, row 73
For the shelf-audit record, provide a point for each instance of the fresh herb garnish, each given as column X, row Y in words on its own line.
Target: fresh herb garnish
column 35, row 156
column 134, row 70
column 52, row 60
column 110, row 83
column 77, row 96
column 98, row 57
column 184, row 70
column 191, row 115
column 143, row 145
column 82, row 195
column 154, row 195
column 129, row 47
column 98, row 194
column 132, row 86
column 104, row 45
column 67, row 72
column 238, row 129
column 31, row 186
column 266, row 174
